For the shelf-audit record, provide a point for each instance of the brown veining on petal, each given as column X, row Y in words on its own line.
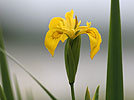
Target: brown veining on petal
column 92, row 33
column 56, row 34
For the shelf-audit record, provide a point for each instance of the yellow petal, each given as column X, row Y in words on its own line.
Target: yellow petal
column 52, row 39
column 95, row 41
column 57, row 23
column 70, row 21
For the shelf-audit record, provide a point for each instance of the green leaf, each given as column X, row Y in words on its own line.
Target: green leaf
column 96, row 95
column 114, row 88
column 6, row 82
column 22, row 67
column 87, row 95
column 17, row 88
column 2, row 94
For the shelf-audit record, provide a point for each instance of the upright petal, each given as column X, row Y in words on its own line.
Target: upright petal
column 70, row 21
column 52, row 39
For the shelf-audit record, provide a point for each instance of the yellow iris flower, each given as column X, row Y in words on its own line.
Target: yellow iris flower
column 61, row 29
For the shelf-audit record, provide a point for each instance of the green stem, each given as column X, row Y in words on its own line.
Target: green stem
column 72, row 91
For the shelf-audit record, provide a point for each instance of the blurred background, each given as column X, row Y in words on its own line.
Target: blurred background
column 25, row 23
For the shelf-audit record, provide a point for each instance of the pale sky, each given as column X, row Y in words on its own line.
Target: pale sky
column 38, row 13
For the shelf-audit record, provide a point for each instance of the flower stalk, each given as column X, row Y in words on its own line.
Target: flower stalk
column 72, row 91
column 114, row 88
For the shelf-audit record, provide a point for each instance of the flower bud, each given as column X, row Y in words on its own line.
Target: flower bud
column 72, row 52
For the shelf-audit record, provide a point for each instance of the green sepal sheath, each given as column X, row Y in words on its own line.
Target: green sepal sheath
column 72, row 53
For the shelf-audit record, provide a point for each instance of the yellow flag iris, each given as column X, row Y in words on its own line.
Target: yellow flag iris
column 61, row 29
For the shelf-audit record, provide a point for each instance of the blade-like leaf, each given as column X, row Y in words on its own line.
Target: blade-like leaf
column 2, row 94
column 87, row 95
column 6, row 82
column 114, row 88
column 96, row 95
column 17, row 88
column 22, row 67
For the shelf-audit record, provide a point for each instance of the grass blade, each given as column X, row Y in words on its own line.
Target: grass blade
column 96, row 95
column 87, row 95
column 17, row 88
column 2, row 94
column 22, row 67
column 114, row 88
column 6, row 82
